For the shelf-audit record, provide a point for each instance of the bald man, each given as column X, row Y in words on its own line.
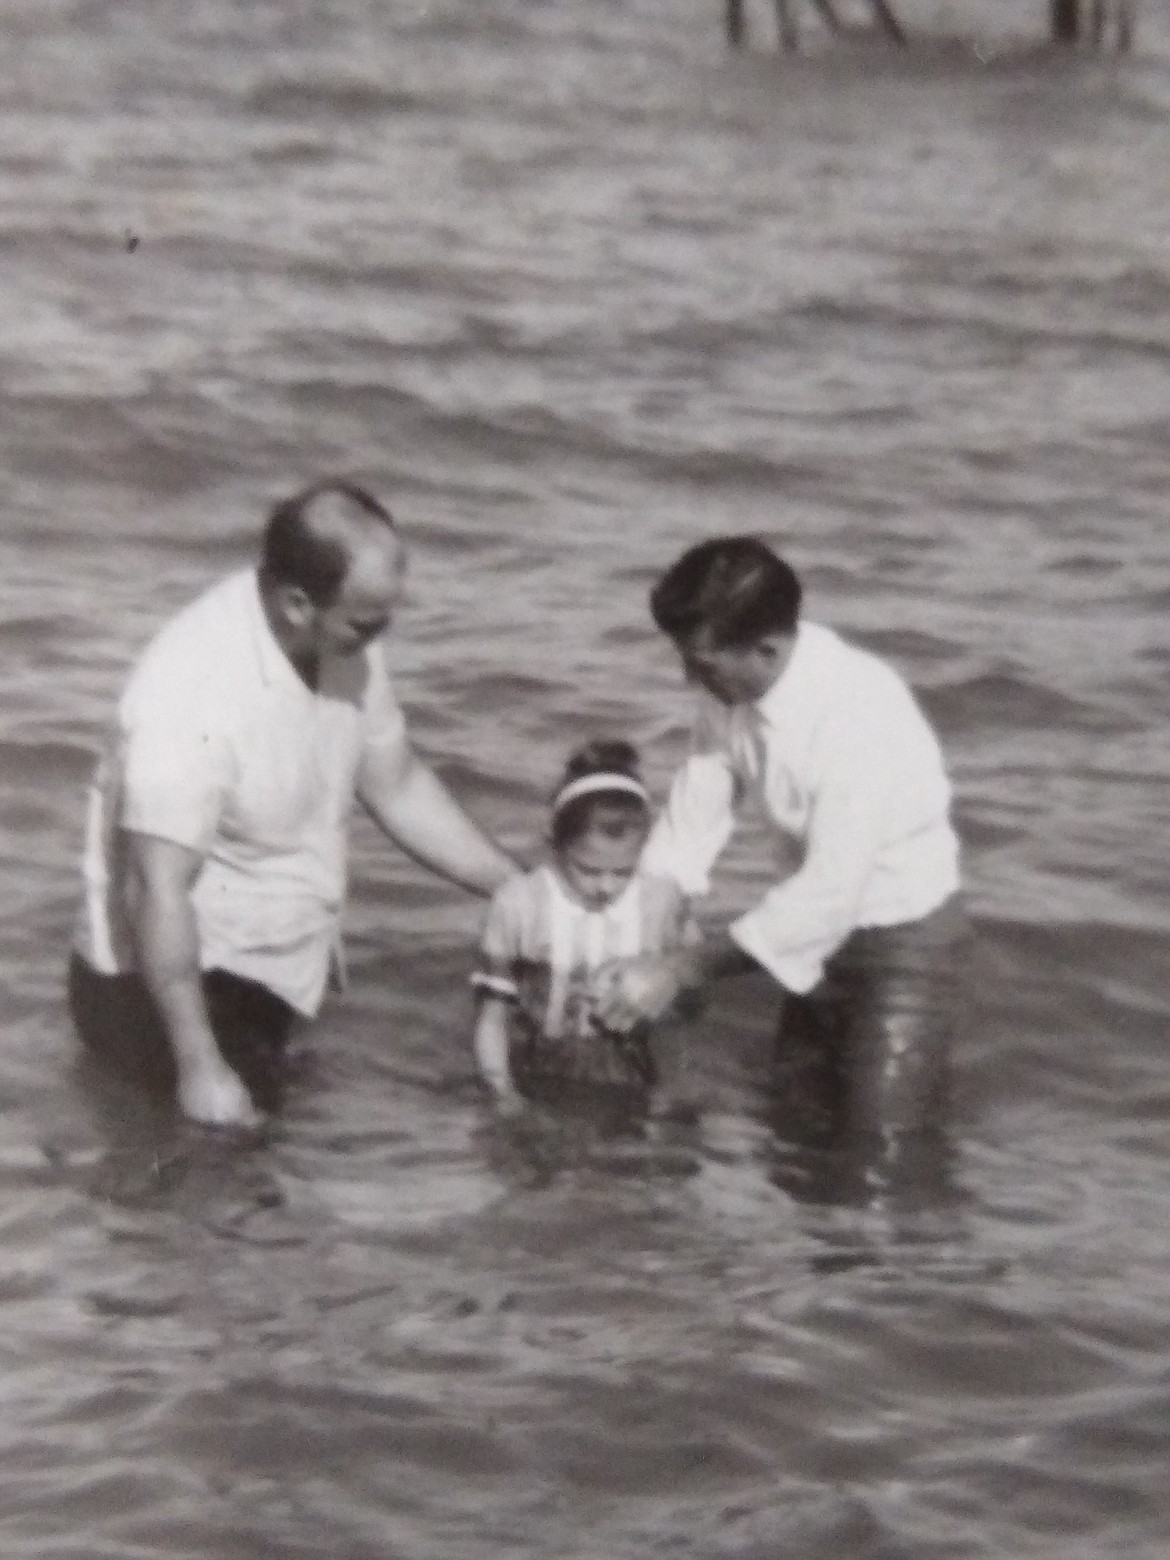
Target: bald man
column 214, row 861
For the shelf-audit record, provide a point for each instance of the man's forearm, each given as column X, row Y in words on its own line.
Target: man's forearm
column 168, row 960
column 167, row 945
column 424, row 819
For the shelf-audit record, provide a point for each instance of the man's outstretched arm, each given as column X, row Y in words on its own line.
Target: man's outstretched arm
column 409, row 802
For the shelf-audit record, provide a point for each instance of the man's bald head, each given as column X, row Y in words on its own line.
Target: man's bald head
column 314, row 539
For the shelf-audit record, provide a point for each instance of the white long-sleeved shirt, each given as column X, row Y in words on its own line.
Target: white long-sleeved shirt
column 849, row 773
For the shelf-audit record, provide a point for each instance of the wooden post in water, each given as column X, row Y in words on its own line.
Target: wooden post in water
column 1122, row 12
column 1091, row 21
column 1065, row 20
column 1069, row 22
column 824, row 9
column 786, row 26
column 788, row 29
column 1124, row 26
column 889, row 23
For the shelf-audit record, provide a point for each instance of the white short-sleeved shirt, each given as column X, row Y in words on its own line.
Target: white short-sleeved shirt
column 540, row 945
column 843, row 764
column 219, row 746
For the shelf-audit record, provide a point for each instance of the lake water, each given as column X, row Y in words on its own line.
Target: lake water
column 572, row 288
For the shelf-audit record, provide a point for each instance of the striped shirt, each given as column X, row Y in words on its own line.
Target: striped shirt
column 541, row 947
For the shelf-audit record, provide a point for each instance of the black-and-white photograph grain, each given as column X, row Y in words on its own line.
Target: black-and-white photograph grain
column 584, row 778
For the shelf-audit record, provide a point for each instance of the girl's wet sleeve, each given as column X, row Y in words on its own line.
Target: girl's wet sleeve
column 501, row 943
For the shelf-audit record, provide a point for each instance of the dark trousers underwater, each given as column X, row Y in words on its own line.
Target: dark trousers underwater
column 862, row 1072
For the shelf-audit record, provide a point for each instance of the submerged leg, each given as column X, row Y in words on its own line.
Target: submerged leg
column 889, row 23
column 1097, row 21
column 903, row 985
column 865, row 1058
column 1065, row 20
column 734, row 22
column 1124, row 26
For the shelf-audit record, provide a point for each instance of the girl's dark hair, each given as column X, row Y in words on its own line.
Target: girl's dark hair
column 303, row 542
column 613, row 813
column 734, row 588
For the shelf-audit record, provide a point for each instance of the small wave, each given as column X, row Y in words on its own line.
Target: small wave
column 1018, row 335
column 59, row 437
column 348, row 98
column 491, row 690
column 17, row 632
column 1041, row 268
column 910, row 644
column 1081, row 565
column 42, row 762
column 1006, row 700
column 1085, row 950
column 53, row 239
column 297, row 151
column 1156, row 601
column 321, row 394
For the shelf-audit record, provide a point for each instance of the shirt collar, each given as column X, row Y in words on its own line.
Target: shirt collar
column 790, row 680
column 275, row 666
column 575, row 905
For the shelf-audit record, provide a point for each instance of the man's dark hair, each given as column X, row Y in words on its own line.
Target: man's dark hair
column 733, row 588
column 305, row 537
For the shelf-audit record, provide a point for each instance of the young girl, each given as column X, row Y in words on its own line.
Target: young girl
column 550, row 930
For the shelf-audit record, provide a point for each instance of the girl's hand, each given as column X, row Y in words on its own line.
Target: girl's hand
column 641, row 989
column 510, row 1104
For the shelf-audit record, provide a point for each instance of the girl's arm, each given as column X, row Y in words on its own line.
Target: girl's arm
column 495, row 987
column 491, row 1052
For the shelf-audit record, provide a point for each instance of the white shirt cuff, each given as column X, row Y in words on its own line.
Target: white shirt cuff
column 665, row 860
column 797, row 972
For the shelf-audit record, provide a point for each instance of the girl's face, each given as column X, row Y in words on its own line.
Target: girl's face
column 597, row 866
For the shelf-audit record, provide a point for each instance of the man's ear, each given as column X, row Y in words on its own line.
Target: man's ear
column 295, row 606
column 776, row 643
column 775, row 648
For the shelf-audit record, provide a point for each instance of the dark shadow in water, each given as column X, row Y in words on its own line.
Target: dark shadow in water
column 571, row 1126
column 152, row 1159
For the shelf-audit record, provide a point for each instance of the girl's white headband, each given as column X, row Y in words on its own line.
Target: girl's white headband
column 586, row 785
